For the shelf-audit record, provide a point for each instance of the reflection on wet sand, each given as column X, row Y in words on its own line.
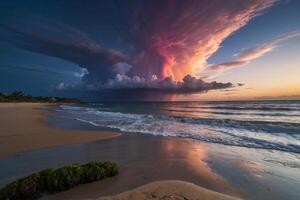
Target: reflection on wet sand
column 252, row 172
column 194, row 157
column 236, row 171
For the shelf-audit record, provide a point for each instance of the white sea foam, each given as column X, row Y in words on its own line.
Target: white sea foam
column 256, row 134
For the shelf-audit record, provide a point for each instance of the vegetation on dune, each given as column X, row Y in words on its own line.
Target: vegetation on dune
column 18, row 96
column 56, row 180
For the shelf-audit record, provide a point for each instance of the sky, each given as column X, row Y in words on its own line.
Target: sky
column 151, row 50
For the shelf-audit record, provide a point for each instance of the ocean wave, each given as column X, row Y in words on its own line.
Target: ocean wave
column 266, row 126
column 75, row 108
column 234, row 113
column 255, row 134
column 262, row 108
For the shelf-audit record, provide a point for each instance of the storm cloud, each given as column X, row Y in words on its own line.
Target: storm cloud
column 170, row 42
column 175, row 38
column 55, row 39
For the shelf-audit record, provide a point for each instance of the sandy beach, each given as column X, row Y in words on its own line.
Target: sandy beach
column 151, row 167
column 22, row 128
column 163, row 190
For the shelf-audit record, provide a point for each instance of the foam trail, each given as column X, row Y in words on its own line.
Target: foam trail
column 248, row 128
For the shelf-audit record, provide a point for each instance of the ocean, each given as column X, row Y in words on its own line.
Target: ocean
column 272, row 125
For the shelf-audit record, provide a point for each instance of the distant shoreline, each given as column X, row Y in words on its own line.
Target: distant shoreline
column 22, row 128
column 19, row 97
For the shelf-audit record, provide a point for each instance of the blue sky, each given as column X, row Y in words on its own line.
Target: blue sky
column 279, row 19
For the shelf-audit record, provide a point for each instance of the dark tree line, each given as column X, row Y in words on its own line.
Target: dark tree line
column 18, row 96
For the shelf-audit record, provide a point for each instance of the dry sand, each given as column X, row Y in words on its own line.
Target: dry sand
column 169, row 190
column 22, row 128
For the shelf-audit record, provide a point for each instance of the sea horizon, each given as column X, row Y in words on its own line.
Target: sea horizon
column 183, row 101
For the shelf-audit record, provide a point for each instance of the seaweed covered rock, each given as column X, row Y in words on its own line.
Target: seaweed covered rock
column 111, row 168
column 29, row 186
column 10, row 191
column 64, row 178
column 93, row 171
column 56, row 180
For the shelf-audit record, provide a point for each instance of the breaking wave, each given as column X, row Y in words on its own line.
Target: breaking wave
column 216, row 127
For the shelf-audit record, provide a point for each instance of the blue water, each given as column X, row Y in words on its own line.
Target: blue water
column 271, row 125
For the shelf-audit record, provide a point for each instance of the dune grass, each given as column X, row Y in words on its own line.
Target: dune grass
column 56, row 180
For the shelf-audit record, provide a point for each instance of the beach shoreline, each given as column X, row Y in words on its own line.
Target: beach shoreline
column 144, row 159
column 23, row 128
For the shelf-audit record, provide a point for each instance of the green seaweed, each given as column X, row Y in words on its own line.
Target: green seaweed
column 56, row 180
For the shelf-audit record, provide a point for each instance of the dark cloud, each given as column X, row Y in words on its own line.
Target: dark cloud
column 189, row 84
column 51, row 38
column 30, row 69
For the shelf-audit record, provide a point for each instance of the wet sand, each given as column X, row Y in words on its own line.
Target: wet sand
column 142, row 159
column 22, row 128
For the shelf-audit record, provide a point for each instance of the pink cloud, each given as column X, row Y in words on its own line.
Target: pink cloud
column 176, row 39
column 253, row 53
